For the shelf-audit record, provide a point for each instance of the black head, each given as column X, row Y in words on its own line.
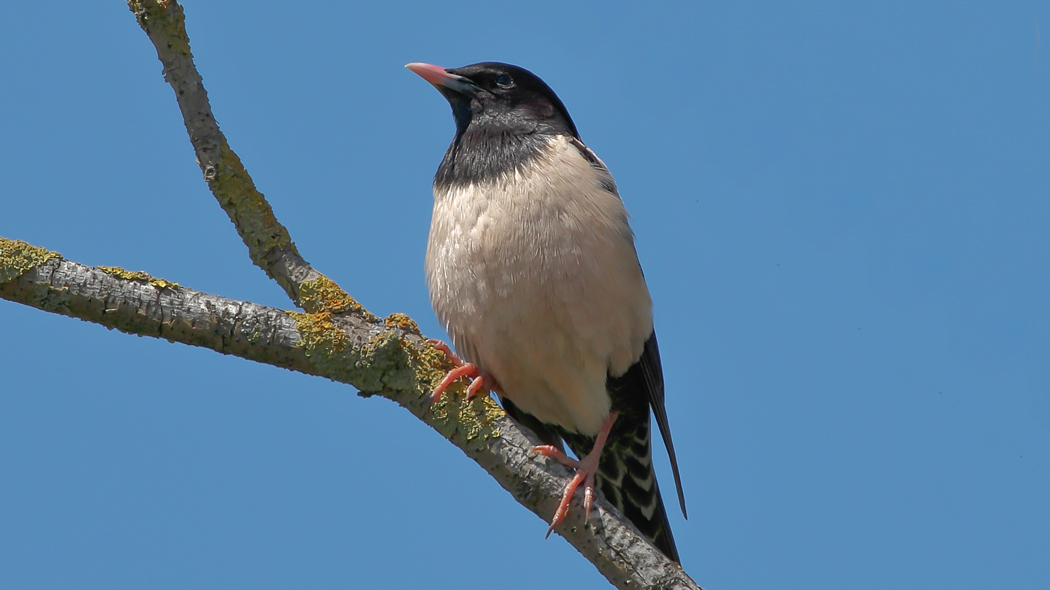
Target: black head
column 504, row 115
column 500, row 97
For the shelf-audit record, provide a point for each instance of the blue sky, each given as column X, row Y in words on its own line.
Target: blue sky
column 841, row 211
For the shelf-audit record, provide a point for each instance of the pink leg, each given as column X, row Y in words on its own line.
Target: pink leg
column 585, row 470
column 480, row 380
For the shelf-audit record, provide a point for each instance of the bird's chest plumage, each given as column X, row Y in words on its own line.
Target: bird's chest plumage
column 535, row 277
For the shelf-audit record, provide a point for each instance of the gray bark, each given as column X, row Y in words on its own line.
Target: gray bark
column 380, row 359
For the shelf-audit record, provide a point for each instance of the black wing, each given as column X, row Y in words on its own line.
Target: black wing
column 654, row 384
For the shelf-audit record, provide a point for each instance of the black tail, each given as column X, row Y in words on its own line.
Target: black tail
column 626, row 477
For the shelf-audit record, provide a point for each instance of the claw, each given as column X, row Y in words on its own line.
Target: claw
column 585, row 470
column 480, row 380
column 464, row 370
column 475, row 386
column 445, row 348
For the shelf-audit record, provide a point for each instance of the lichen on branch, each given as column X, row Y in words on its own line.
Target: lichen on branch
column 17, row 257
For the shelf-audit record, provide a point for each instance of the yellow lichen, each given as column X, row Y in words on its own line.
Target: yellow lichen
column 247, row 207
column 369, row 368
column 138, row 275
column 319, row 334
column 323, row 295
column 400, row 320
column 476, row 417
column 451, row 412
column 473, row 420
column 17, row 257
column 389, row 362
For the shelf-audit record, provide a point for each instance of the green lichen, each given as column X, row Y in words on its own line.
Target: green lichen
column 452, row 413
column 471, row 421
column 431, row 366
column 475, row 420
column 254, row 329
column 390, row 362
column 17, row 257
column 165, row 17
column 247, row 207
column 373, row 367
column 138, row 275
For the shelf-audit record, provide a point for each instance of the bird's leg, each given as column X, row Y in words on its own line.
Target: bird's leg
column 479, row 379
column 585, row 470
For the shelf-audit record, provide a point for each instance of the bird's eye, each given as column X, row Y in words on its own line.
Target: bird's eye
column 503, row 80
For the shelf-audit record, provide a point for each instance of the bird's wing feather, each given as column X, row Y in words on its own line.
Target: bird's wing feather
column 604, row 176
column 654, row 384
column 650, row 361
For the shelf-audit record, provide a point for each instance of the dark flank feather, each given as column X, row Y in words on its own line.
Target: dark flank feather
column 547, row 433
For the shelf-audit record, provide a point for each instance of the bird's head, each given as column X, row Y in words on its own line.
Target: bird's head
column 494, row 97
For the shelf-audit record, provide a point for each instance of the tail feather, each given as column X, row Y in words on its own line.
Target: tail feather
column 627, row 480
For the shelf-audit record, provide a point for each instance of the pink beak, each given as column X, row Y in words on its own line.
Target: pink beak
column 436, row 75
column 440, row 78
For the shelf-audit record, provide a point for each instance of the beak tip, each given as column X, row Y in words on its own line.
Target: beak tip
column 436, row 75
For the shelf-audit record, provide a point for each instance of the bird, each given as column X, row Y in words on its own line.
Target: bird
column 532, row 269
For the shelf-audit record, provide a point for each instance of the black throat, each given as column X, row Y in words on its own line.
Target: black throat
column 493, row 139
column 505, row 118
column 482, row 153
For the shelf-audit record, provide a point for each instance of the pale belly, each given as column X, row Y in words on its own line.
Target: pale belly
column 543, row 292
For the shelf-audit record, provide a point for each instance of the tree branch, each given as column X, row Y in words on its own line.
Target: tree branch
column 269, row 245
column 335, row 338
column 388, row 358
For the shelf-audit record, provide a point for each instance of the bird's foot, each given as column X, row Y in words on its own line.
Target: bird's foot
column 585, row 470
column 480, row 380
